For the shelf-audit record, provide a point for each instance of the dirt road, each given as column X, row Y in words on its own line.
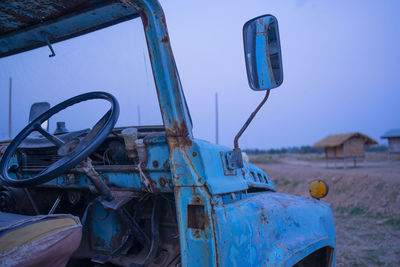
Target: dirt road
column 365, row 201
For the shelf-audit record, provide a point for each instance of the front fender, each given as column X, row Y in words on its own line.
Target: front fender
column 271, row 229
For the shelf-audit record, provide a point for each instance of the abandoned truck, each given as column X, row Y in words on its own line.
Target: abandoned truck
column 144, row 195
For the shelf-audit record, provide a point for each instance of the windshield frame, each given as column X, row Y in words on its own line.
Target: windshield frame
column 172, row 102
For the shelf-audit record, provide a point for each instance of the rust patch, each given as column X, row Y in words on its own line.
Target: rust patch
column 163, row 20
column 143, row 165
column 196, row 216
column 165, row 39
column 178, row 130
column 212, row 211
column 196, row 200
column 194, row 154
column 207, row 221
column 17, row 15
column 155, row 164
column 163, row 181
column 185, row 141
column 144, row 18
column 196, row 234
column 178, row 138
column 263, row 218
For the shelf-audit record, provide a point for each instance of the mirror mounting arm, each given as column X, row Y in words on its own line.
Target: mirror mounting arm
column 244, row 127
column 46, row 39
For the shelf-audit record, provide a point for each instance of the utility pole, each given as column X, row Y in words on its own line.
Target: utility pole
column 9, row 109
column 216, row 119
column 138, row 112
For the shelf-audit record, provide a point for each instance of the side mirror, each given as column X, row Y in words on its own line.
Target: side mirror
column 38, row 109
column 262, row 50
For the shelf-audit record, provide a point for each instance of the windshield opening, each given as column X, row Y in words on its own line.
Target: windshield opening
column 113, row 60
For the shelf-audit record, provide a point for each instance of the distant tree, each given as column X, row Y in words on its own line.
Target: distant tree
column 284, row 150
column 376, row 148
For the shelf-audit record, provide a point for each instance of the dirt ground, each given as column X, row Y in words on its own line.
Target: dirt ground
column 365, row 200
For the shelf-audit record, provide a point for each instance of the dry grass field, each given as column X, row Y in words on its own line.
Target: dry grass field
column 365, row 201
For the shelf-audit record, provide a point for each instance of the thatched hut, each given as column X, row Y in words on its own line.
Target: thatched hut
column 345, row 146
column 393, row 137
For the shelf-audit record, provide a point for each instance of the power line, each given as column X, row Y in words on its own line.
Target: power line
column 216, row 120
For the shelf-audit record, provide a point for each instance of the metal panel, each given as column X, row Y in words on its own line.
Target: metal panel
column 198, row 247
column 271, row 229
column 391, row 133
column 394, row 144
column 216, row 179
column 104, row 229
column 29, row 24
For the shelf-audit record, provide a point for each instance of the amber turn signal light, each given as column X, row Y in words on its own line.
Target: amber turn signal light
column 318, row 189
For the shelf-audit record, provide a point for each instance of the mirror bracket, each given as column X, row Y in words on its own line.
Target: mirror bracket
column 244, row 127
column 46, row 39
column 234, row 159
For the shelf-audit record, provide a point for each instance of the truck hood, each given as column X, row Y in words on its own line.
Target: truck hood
column 272, row 229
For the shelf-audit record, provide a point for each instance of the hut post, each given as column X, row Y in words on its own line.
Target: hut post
column 344, row 155
column 326, row 158
column 365, row 154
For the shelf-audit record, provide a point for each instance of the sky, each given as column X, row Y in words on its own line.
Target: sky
column 341, row 63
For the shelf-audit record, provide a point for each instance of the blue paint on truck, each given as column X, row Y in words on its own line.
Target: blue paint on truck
column 224, row 216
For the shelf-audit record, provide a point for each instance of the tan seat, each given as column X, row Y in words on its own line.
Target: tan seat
column 44, row 240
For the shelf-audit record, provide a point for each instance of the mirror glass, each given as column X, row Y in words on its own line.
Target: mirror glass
column 263, row 53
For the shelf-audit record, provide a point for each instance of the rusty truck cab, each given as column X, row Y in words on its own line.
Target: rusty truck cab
column 154, row 195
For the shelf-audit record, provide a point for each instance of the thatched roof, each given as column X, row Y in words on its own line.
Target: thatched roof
column 391, row 133
column 339, row 139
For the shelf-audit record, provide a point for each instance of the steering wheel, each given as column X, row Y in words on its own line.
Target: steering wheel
column 73, row 153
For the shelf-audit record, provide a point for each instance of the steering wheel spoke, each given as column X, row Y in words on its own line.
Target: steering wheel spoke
column 54, row 165
column 52, row 138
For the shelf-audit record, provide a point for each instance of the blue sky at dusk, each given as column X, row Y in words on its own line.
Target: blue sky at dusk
column 341, row 63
